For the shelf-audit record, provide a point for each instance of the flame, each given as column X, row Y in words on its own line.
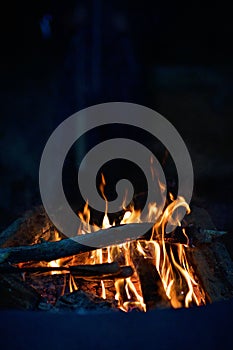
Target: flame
column 170, row 261
column 131, row 216
column 177, row 277
column 55, row 263
column 72, row 284
column 58, row 262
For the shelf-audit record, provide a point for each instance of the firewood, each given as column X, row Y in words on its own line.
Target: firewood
column 48, row 251
column 15, row 294
column 10, row 231
column 98, row 271
column 95, row 270
column 79, row 301
column 211, row 262
column 125, row 272
column 151, row 285
column 28, row 229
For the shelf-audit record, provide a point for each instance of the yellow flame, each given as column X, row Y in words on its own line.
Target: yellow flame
column 55, row 263
column 172, row 266
column 171, row 262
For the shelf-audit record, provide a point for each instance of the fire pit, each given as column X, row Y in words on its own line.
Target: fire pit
column 188, row 267
column 57, row 290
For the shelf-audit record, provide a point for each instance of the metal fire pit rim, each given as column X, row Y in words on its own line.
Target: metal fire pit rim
column 203, row 327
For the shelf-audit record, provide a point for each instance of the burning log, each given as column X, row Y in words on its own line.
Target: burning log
column 211, row 262
column 48, row 251
column 125, row 272
column 32, row 227
column 152, row 288
column 98, row 271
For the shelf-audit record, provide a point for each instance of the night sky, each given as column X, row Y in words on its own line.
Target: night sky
column 58, row 57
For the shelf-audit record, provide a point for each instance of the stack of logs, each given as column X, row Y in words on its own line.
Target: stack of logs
column 206, row 253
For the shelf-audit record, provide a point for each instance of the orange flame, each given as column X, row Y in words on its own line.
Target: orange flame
column 171, row 262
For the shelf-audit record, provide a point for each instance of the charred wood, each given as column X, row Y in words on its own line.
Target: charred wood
column 15, row 294
column 82, row 302
column 31, row 228
column 211, row 262
column 151, row 285
column 98, row 271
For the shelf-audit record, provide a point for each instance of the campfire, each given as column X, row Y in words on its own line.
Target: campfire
column 156, row 270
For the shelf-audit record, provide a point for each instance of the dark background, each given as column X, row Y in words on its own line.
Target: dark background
column 58, row 57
